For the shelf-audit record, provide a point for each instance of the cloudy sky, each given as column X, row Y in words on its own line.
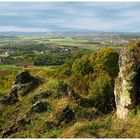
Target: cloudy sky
column 70, row 16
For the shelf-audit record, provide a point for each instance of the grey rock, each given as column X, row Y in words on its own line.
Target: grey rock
column 125, row 89
column 24, row 83
column 66, row 115
column 39, row 106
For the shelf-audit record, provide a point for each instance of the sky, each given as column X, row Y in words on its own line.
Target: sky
column 70, row 16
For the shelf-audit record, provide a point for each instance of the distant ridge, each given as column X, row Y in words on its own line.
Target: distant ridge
column 13, row 34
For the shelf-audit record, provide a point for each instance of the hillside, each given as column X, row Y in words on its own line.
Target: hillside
column 73, row 100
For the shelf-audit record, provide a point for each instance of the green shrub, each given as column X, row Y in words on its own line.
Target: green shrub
column 82, row 66
column 107, row 60
column 58, row 88
column 65, row 69
column 101, row 92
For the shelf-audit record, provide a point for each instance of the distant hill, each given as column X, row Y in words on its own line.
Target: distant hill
column 69, row 34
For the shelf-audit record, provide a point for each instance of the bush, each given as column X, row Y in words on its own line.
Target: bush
column 65, row 69
column 58, row 88
column 82, row 66
column 107, row 60
column 101, row 92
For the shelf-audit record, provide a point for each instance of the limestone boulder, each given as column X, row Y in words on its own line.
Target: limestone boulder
column 126, row 84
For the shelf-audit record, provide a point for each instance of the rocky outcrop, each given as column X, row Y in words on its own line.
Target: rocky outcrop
column 14, row 127
column 42, row 95
column 126, row 88
column 39, row 106
column 66, row 115
column 23, row 84
column 25, row 77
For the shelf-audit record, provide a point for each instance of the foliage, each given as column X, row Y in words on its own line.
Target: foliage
column 107, row 60
column 133, row 44
column 65, row 69
column 101, row 92
column 82, row 66
column 92, row 77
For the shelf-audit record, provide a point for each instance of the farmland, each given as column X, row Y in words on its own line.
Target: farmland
column 54, row 49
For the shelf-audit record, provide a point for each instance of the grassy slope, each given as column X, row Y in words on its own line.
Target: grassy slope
column 82, row 126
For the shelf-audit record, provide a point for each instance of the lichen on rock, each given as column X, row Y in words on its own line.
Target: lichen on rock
column 126, row 85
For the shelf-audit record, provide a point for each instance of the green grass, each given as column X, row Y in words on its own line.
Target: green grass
column 8, row 73
column 4, row 55
column 76, row 42
column 46, row 124
column 100, row 126
column 9, row 67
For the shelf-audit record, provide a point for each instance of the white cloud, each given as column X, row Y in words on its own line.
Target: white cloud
column 80, row 16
